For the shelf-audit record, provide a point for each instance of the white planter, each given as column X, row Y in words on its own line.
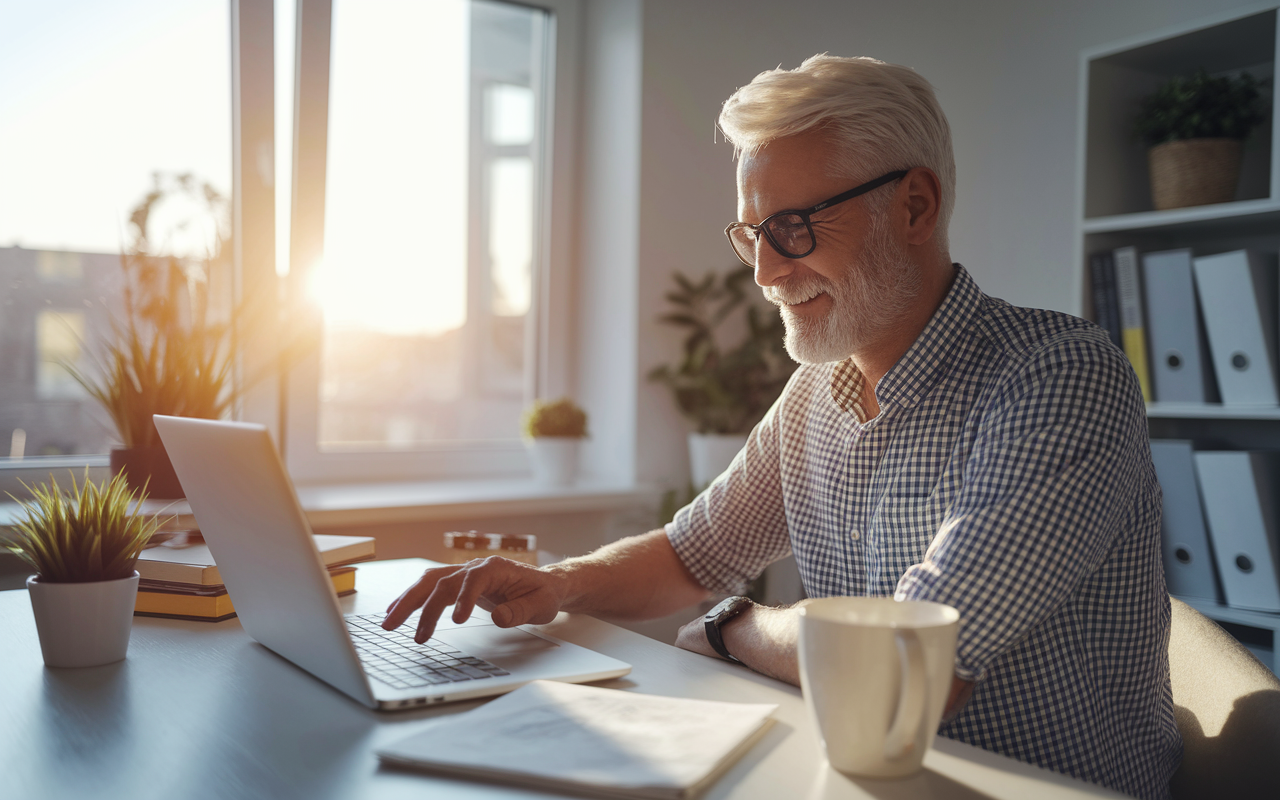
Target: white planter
column 83, row 624
column 711, row 454
column 555, row 459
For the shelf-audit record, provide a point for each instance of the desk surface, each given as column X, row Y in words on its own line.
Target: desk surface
column 198, row 710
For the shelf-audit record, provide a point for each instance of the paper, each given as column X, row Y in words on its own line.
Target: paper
column 559, row 735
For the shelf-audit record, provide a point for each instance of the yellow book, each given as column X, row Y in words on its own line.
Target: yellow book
column 1132, row 318
column 216, row 606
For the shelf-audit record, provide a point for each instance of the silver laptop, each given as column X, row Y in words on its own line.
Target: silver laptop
column 249, row 514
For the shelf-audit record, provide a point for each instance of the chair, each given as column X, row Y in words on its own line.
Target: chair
column 1227, row 705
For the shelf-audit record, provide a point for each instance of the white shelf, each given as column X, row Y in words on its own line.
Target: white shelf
column 1202, row 411
column 1266, row 210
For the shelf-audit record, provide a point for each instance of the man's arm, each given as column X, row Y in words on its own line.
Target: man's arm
column 767, row 640
column 635, row 578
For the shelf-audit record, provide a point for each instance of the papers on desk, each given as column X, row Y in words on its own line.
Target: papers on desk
column 590, row 740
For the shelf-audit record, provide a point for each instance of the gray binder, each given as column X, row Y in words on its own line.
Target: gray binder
column 1238, row 295
column 1179, row 351
column 1188, row 557
column 1239, row 491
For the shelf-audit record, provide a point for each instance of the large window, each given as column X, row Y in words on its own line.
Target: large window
column 431, row 253
column 96, row 99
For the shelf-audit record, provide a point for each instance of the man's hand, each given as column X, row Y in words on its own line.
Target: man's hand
column 693, row 636
column 513, row 593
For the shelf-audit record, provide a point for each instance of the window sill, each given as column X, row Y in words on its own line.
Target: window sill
column 382, row 503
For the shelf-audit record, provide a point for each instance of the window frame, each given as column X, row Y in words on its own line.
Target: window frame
column 548, row 326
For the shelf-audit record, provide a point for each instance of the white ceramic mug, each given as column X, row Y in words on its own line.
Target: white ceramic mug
column 876, row 673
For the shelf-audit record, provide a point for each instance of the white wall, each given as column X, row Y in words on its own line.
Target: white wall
column 1006, row 72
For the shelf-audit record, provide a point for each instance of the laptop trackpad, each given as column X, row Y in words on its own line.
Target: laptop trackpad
column 505, row 647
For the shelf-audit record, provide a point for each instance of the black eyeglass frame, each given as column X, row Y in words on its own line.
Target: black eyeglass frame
column 804, row 214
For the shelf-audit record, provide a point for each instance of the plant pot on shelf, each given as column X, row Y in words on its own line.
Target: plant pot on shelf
column 554, row 458
column 711, row 454
column 83, row 624
column 143, row 464
column 1194, row 172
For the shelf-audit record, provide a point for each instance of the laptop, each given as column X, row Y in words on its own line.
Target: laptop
column 255, row 528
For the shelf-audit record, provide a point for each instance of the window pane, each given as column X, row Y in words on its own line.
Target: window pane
column 430, row 222
column 96, row 97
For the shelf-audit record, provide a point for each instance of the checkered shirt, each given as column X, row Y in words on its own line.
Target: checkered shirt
column 1008, row 474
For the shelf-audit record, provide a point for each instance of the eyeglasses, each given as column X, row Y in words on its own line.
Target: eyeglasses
column 790, row 232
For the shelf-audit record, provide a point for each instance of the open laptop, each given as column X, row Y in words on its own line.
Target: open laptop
column 249, row 514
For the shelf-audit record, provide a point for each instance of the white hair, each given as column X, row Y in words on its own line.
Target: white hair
column 882, row 117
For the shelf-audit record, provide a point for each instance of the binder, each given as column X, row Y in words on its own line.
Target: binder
column 1239, row 491
column 1106, row 299
column 1180, row 369
column 1189, row 569
column 1238, row 295
column 1129, row 284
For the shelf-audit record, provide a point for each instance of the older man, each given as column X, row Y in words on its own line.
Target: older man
column 936, row 444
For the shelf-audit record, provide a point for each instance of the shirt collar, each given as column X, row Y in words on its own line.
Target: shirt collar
column 914, row 374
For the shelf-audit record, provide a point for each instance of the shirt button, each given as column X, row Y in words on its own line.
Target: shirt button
column 855, row 534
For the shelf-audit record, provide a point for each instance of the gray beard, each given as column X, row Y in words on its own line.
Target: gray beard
column 867, row 301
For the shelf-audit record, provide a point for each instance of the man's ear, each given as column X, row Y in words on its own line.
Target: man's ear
column 921, row 191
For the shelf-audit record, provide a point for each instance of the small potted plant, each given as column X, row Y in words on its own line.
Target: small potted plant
column 1195, row 127
column 552, row 431
column 83, row 546
column 724, row 392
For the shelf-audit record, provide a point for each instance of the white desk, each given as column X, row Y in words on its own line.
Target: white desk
column 198, row 710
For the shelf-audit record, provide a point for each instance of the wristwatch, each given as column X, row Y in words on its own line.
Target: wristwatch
column 720, row 615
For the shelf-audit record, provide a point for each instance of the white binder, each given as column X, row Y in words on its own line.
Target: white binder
column 1188, row 557
column 1239, row 491
column 1179, row 352
column 1238, row 295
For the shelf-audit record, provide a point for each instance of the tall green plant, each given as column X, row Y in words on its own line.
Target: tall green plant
column 1199, row 106
column 724, row 391
column 89, row 534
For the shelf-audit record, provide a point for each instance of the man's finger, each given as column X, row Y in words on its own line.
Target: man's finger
column 479, row 580
column 414, row 596
column 442, row 596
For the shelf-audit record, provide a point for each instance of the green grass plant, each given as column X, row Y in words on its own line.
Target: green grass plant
column 92, row 533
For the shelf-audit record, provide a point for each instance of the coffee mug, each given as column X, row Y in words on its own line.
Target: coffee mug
column 876, row 673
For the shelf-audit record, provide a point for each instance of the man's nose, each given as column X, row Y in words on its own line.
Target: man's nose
column 771, row 266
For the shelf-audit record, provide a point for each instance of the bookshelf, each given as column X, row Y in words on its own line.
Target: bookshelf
column 1116, row 211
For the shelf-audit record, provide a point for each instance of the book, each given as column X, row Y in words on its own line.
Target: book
column 1132, row 319
column 194, row 565
column 585, row 739
column 1106, row 300
column 1238, row 296
column 210, row 603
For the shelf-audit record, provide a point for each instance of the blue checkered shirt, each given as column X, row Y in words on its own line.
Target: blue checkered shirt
column 1008, row 474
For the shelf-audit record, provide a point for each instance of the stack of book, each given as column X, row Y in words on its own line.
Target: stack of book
column 184, row 582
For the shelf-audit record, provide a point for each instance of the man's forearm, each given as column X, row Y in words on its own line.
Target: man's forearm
column 640, row 577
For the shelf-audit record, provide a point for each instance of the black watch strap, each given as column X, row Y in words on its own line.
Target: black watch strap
column 718, row 616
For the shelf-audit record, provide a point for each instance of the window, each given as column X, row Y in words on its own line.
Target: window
column 95, row 98
column 431, row 257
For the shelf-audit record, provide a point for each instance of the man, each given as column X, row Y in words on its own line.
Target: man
column 936, row 444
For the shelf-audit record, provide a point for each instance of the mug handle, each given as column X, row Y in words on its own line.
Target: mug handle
column 912, row 696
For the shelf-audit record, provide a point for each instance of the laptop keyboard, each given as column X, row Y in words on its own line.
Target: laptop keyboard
column 394, row 657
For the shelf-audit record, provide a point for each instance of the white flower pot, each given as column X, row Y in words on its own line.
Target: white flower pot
column 711, row 454
column 555, row 459
column 83, row 624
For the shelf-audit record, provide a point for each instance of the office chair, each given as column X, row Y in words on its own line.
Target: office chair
column 1227, row 705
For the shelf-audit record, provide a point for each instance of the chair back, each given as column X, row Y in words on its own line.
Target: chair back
column 1227, row 705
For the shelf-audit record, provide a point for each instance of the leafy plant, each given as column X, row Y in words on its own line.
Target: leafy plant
column 557, row 418
column 724, row 391
column 83, row 536
column 1200, row 106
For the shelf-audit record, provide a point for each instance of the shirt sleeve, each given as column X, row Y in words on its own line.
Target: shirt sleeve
column 1051, row 479
column 737, row 526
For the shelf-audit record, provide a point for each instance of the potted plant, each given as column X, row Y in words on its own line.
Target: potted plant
column 552, row 431
column 83, row 546
column 1195, row 129
column 724, row 392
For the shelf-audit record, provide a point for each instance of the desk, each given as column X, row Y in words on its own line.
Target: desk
column 198, row 710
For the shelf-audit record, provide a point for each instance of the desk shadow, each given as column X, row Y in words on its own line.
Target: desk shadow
column 924, row 785
column 87, row 715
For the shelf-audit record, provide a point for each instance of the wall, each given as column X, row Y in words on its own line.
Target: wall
column 1006, row 72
